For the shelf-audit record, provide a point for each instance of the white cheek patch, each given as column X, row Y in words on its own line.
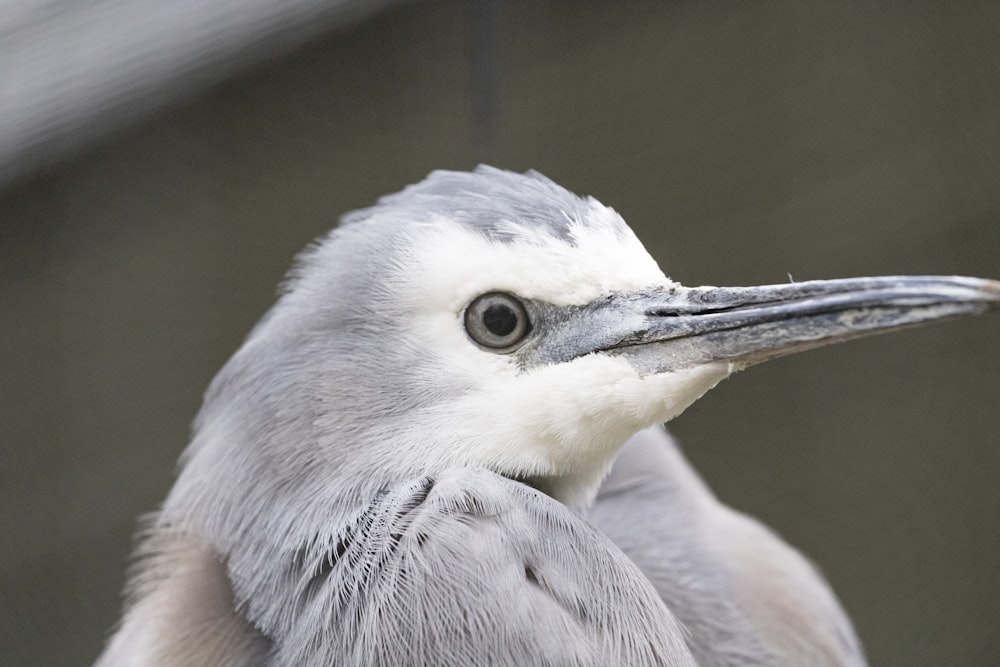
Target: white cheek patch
column 564, row 415
column 565, row 421
column 447, row 265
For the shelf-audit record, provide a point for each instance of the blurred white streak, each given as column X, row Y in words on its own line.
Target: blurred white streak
column 71, row 71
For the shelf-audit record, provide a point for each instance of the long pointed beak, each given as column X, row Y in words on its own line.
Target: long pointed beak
column 679, row 327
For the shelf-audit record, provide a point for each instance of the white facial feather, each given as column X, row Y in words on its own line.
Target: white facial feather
column 561, row 423
column 447, row 264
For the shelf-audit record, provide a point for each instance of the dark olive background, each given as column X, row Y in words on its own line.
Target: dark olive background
column 744, row 142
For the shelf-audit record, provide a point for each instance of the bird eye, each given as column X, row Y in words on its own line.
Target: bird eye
column 497, row 321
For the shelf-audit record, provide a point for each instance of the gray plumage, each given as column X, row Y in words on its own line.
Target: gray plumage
column 745, row 597
column 368, row 484
column 493, row 202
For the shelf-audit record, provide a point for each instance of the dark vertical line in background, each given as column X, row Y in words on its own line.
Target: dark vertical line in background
column 485, row 69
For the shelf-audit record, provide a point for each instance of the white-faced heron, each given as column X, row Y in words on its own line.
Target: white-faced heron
column 407, row 462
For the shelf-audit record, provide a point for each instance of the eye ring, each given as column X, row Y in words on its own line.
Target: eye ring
column 497, row 321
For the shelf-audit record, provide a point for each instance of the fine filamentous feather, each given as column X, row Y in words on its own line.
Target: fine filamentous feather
column 530, row 581
column 464, row 568
column 470, row 568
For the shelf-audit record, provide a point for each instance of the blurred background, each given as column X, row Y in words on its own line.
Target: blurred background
column 161, row 163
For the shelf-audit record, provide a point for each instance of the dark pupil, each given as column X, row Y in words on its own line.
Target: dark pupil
column 499, row 319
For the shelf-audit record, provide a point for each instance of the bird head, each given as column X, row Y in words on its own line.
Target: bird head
column 495, row 320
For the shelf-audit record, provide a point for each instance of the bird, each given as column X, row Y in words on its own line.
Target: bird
column 443, row 446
